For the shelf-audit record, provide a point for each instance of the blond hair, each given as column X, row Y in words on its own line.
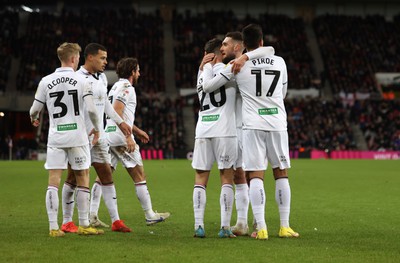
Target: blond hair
column 67, row 50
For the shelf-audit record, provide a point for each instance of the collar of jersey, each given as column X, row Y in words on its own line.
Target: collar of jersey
column 60, row 69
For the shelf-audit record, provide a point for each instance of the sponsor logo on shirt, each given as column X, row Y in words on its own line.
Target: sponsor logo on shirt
column 268, row 111
column 210, row 117
column 67, row 127
column 111, row 128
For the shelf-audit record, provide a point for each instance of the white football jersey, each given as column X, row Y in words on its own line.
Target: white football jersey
column 217, row 109
column 124, row 92
column 63, row 92
column 99, row 89
column 263, row 84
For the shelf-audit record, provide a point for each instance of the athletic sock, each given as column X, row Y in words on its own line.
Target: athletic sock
column 52, row 206
column 95, row 198
column 68, row 202
column 199, row 205
column 143, row 195
column 242, row 203
column 82, row 202
column 282, row 197
column 110, row 199
column 257, row 199
column 226, row 201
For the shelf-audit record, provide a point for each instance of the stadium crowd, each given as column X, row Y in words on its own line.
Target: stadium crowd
column 352, row 55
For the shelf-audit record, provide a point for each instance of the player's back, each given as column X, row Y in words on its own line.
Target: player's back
column 217, row 110
column 63, row 92
column 262, row 83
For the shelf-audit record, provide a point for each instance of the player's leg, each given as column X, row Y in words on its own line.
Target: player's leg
column 255, row 164
column 278, row 154
column 52, row 202
column 79, row 158
column 242, row 202
column 203, row 160
column 199, row 201
column 134, row 166
column 241, row 192
column 104, row 173
column 56, row 161
column 226, row 150
column 68, row 202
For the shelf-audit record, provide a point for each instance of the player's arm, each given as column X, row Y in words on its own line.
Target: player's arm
column 34, row 111
column 112, row 114
column 284, row 81
column 139, row 133
column 119, row 107
column 92, row 111
column 37, row 105
column 211, row 83
column 238, row 63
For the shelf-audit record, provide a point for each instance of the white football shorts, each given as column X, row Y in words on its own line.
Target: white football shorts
column 222, row 150
column 128, row 160
column 100, row 153
column 261, row 147
column 58, row 158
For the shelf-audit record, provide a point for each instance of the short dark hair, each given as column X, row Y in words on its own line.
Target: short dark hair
column 235, row 35
column 213, row 45
column 125, row 66
column 93, row 49
column 252, row 35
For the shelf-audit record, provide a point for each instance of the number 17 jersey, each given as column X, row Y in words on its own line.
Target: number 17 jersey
column 263, row 84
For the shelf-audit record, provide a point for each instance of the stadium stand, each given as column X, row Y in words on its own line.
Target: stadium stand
column 286, row 35
column 351, row 56
column 8, row 48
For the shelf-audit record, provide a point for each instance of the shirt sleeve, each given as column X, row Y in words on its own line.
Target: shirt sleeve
column 211, row 83
column 38, row 103
column 260, row 52
column 90, row 107
column 109, row 110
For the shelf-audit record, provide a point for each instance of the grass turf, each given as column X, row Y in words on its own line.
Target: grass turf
column 344, row 210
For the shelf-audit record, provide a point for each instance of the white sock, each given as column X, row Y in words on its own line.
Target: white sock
column 199, row 205
column 226, row 202
column 282, row 197
column 143, row 195
column 257, row 199
column 68, row 202
column 82, row 202
column 95, row 198
column 110, row 198
column 242, row 203
column 52, row 206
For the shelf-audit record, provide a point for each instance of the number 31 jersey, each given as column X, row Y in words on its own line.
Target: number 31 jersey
column 217, row 110
column 263, row 84
column 63, row 92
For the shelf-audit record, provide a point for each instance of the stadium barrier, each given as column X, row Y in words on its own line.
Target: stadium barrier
column 375, row 155
column 152, row 154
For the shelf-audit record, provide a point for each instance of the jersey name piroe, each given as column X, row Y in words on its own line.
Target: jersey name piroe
column 259, row 61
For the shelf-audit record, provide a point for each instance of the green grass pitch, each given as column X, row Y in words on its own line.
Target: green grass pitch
column 344, row 210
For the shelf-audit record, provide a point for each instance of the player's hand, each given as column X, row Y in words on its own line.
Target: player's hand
column 125, row 128
column 206, row 59
column 130, row 144
column 142, row 136
column 96, row 136
column 238, row 63
column 35, row 122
